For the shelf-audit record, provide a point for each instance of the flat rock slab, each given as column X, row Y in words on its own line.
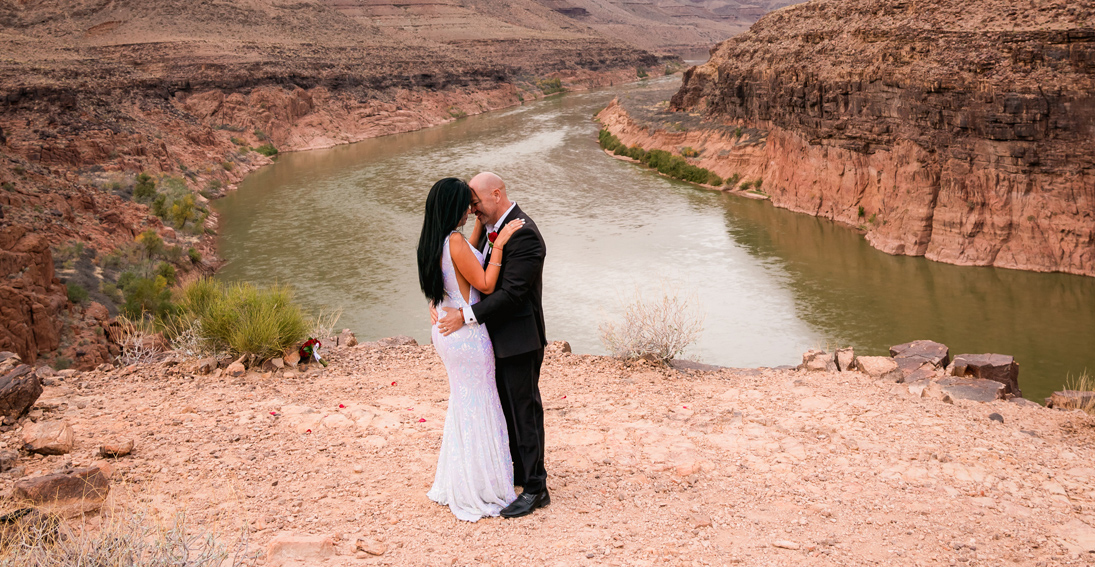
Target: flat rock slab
column 880, row 367
column 19, row 389
column 49, row 437
column 973, row 389
column 77, row 491
column 999, row 367
column 927, row 351
column 291, row 547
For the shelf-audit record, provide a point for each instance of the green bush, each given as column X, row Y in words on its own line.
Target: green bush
column 689, row 152
column 243, row 318
column 111, row 291
column 641, row 72
column 238, row 141
column 260, row 135
column 267, row 150
column 145, row 189
column 550, row 86
column 713, row 179
column 227, row 165
column 758, row 183
column 62, row 363
column 76, row 292
column 167, row 272
column 146, row 297
column 194, row 255
column 745, row 186
column 9, row 186
column 862, row 213
column 732, row 181
column 737, row 132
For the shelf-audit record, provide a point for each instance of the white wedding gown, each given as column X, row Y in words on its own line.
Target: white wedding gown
column 474, row 470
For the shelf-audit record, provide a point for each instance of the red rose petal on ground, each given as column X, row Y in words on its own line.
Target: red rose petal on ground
column 564, row 397
column 422, row 420
column 393, row 383
column 273, row 413
column 341, row 406
column 308, row 431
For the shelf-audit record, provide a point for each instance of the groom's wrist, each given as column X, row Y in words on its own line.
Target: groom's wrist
column 469, row 315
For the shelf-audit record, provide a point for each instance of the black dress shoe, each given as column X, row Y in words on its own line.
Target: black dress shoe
column 526, row 503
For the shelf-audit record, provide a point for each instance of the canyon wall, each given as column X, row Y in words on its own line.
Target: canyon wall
column 960, row 130
column 186, row 92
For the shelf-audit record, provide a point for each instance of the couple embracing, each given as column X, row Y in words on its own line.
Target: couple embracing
column 485, row 299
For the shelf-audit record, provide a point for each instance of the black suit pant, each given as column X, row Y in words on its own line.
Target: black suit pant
column 518, row 379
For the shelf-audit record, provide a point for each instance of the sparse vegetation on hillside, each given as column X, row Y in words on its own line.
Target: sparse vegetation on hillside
column 267, row 150
column 661, row 160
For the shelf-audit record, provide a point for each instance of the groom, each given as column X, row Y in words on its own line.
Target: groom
column 514, row 318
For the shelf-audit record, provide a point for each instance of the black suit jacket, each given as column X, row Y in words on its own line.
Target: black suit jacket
column 514, row 313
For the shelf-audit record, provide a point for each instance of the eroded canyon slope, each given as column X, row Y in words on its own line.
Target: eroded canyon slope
column 684, row 27
column 95, row 92
column 961, row 130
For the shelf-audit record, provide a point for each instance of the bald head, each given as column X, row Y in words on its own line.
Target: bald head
column 490, row 197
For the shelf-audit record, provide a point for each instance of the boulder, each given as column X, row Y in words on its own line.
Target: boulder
column 975, row 389
column 292, row 358
column 998, row 367
column 927, row 371
column 116, row 448
column 346, row 338
column 8, row 459
column 76, row 491
column 845, row 359
column 305, row 548
column 19, row 389
column 1071, row 399
column 818, row 361
column 207, row 365
column 371, row 546
column 879, row 367
column 48, row 437
column 927, row 351
column 237, row 369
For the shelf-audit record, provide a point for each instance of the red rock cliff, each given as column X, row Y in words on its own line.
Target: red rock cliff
column 961, row 130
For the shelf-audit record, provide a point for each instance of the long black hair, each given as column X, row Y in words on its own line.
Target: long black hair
column 446, row 204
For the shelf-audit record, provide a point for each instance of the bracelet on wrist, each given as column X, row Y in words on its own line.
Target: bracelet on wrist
column 499, row 264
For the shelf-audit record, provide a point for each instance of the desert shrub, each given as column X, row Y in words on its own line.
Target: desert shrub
column 227, row 165
column 1084, row 384
column 111, row 292
column 689, row 152
column 145, row 189
column 657, row 328
column 243, row 318
column 260, row 135
column 608, row 141
column 60, row 363
column 167, row 272
column 238, row 141
column 267, row 150
column 194, row 255
column 641, row 72
column 713, row 179
column 150, row 243
column 76, row 292
column 737, row 132
column 550, row 86
column 9, row 186
column 456, row 112
column 745, row 185
column 758, row 183
column 732, row 181
column 861, row 213
column 146, row 297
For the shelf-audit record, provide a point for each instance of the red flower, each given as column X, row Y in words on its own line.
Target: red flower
column 340, row 406
column 492, row 237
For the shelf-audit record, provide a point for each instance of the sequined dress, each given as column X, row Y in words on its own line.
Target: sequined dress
column 474, row 470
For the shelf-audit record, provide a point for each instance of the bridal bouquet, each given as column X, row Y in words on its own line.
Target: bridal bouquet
column 310, row 350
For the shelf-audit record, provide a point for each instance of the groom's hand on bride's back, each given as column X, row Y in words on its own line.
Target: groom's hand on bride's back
column 451, row 322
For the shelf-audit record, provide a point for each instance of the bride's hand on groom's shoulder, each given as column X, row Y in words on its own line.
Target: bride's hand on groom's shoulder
column 508, row 230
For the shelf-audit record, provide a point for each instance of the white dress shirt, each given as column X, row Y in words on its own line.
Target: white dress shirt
column 469, row 317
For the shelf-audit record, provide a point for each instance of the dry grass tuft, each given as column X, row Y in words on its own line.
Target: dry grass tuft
column 29, row 538
column 1085, row 384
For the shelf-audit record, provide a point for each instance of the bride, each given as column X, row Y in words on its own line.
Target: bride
column 474, row 470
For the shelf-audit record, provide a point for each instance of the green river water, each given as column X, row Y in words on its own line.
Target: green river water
column 340, row 225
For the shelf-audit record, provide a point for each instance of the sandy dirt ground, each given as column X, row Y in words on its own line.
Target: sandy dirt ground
column 647, row 465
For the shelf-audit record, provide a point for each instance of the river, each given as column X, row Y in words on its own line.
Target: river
column 340, row 225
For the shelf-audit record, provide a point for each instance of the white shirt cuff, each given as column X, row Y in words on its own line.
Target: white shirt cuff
column 469, row 316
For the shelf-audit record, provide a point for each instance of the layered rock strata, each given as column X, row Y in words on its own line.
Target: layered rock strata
column 956, row 130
